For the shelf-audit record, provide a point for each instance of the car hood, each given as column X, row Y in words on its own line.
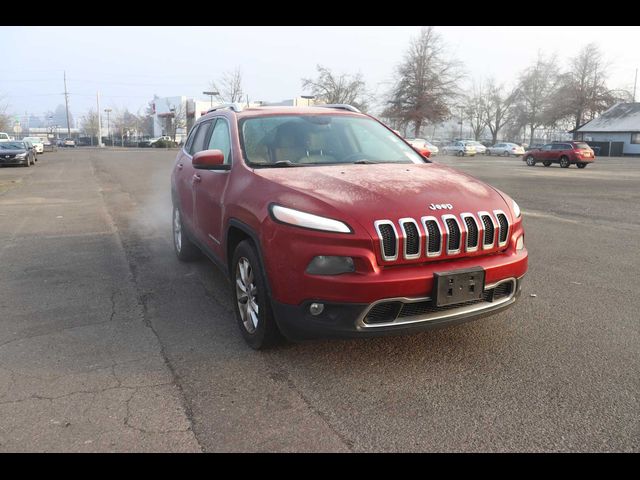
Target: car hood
column 14, row 151
column 365, row 193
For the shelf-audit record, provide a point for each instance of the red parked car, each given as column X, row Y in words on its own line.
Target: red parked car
column 564, row 153
column 328, row 224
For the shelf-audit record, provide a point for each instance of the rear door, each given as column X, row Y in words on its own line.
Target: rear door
column 184, row 173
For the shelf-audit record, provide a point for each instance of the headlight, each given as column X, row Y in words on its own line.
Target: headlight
column 307, row 220
column 516, row 209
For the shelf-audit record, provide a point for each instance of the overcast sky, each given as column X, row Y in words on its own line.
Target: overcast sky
column 129, row 64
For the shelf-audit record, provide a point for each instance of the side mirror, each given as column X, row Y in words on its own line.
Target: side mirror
column 209, row 159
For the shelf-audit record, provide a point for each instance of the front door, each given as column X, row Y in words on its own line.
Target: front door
column 211, row 187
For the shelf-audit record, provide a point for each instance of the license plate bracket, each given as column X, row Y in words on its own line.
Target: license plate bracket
column 458, row 286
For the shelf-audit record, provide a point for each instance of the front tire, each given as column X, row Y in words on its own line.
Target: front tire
column 564, row 162
column 251, row 302
column 185, row 249
column 460, row 153
column 531, row 161
column 505, row 154
column 581, row 165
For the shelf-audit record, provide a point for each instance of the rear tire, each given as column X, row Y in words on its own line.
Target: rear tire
column 531, row 161
column 581, row 165
column 505, row 154
column 546, row 163
column 251, row 301
column 564, row 162
column 460, row 153
column 185, row 249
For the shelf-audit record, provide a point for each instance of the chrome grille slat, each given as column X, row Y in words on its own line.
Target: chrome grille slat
column 389, row 240
column 412, row 238
column 449, row 234
column 434, row 236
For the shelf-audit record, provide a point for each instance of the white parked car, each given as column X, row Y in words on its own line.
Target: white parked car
column 166, row 138
column 37, row 143
column 4, row 137
column 480, row 148
column 460, row 149
column 505, row 149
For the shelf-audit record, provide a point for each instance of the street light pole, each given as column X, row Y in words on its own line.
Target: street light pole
column 211, row 94
column 108, row 110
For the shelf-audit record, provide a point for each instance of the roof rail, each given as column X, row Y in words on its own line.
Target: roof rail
column 341, row 106
column 236, row 107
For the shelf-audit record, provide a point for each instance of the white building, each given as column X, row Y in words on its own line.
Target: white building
column 616, row 131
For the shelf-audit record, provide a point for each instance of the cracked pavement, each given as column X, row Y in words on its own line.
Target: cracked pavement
column 80, row 370
column 108, row 343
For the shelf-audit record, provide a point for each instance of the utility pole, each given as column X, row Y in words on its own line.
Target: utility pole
column 635, row 84
column 100, row 145
column 108, row 110
column 66, row 101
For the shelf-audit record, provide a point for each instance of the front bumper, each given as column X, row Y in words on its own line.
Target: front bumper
column 351, row 319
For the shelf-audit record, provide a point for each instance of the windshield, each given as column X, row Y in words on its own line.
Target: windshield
column 582, row 146
column 300, row 140
column 13, row 146
column 32, row 139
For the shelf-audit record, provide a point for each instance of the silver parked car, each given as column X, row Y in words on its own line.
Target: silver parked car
column 505, row 149
column 460, row 149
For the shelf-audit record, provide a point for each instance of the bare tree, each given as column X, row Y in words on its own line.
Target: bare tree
column 474, row 108
column 229, row 86
column 536, row 86
column 343, row 88
column 5, row 122
column 90, row 124
column 426, row 82
column 498, row 107
column 582, row 92
column 179, row 118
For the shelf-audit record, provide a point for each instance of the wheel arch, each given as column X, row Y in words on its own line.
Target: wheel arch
column 237, row 231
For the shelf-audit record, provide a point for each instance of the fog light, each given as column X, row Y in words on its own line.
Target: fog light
column 520, row 243
column 325, row 265
column 316, row 308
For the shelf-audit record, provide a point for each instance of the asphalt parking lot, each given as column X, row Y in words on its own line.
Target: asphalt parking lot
column 109, row 343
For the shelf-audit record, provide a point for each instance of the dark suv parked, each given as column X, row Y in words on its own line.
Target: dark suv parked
column 564, row 153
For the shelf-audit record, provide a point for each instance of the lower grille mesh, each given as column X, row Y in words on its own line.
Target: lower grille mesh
column 386, row 312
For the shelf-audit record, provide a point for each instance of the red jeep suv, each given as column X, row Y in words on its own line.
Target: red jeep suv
column 564, row 153
column 327, row 223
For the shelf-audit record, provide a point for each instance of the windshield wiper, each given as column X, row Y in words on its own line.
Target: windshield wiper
column 278, row 164
column 364, row 162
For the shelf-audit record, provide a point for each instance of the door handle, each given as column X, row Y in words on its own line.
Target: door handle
column 179, row 166
column 197, row 178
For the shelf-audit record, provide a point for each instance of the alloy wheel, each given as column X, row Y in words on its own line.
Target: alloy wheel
column 246, row 295
column 177, row 229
